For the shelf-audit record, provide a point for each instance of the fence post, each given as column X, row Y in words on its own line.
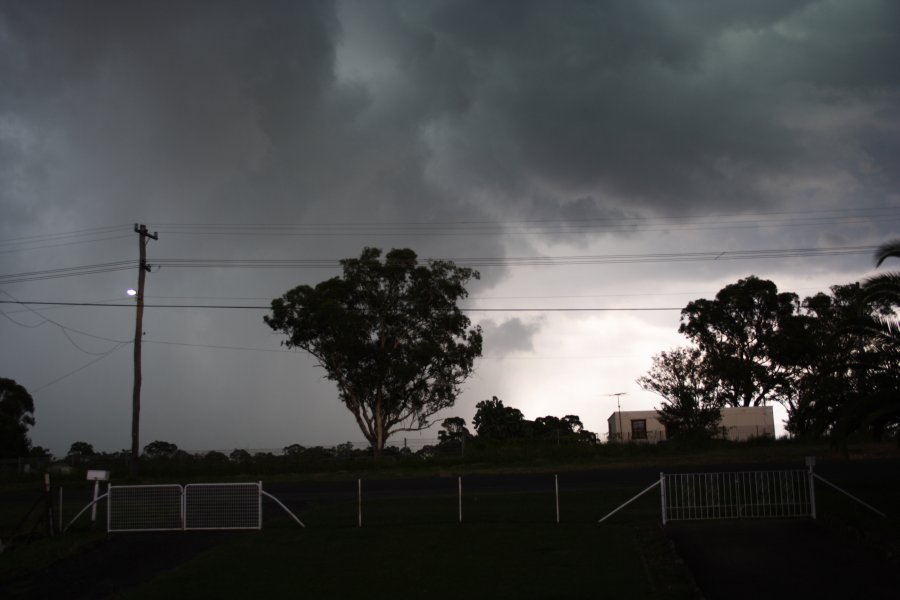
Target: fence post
column 49, row 499
column 662, row 495
column 459, row 485
column 259, row 509
column 810, row 463
column 556, row 489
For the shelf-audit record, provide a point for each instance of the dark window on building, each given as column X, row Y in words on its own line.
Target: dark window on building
column 639, row 429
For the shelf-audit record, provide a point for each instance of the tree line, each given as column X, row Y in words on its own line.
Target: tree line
column 390, row 334
column 495, row 422
column 830, row 359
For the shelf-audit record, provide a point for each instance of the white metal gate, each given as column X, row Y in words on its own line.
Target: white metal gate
column 145, row 508
column 222, row 506
column 738, row 495
column 196, row 506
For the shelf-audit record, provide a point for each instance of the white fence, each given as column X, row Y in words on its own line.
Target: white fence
column 743, row 495
column 196, row 506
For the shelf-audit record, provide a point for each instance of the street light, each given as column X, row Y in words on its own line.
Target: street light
column 131, row 292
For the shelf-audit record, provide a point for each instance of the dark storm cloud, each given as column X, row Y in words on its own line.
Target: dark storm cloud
column 569, row 111
column 377, row 111
column 163, row 101
column 664, row 104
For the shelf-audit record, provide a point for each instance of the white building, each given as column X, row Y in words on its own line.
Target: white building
column 737, row 424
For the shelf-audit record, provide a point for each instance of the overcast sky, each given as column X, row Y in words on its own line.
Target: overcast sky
column 674, row 132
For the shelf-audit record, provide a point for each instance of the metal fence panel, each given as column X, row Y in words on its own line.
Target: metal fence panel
column 145, row 508
column 740, row 495
column 222, row 506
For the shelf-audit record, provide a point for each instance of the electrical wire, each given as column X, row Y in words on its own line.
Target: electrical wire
column 81, row 368
column 61, row 244
column 66, row 331
column 474, row 262
column 856, row 215
column 269, row 307
column 108, row 267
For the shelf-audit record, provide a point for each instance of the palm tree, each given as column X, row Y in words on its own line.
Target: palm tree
column 876, row 405
column 886, row 286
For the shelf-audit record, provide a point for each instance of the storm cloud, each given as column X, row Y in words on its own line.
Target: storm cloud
column 463, row 129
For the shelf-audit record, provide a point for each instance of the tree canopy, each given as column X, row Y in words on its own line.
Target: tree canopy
column 80, row 450
column 389, row 333
column 160, row 449
column 495, row 421
column 833, row 360
column 453, row 429
column 691, row 403
column 16, row 417
column 738, row 334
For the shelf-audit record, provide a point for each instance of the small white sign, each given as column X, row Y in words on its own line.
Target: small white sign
column 96, row 475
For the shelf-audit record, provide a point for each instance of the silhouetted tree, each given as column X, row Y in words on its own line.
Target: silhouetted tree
column 80, row 451
column 739, row 334
column 216, row 457
column 690, row 404
column 293, row 450
column 497, row 422
column 160, row 449
column 239, row 455
column 453, row 429
column 886, row 286
column 849, row 365
column 389, row 334
column 40, row 452
column 16, row 417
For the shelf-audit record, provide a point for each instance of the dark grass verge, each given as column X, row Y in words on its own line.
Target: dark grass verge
column 508, row 545
column 438, row 561
column 765, row 558
column 846, row 552
column 93, row 566
column 30, row 557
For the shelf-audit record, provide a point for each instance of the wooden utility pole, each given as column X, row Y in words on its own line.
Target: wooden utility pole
column 619, row 406
column 144, row 238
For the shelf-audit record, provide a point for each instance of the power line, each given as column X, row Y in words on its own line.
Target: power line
column 61, row 244
column 475, row 262
column 81, row 368
column 108, row 267
column 269, row 307
column 220, row 347
column 807, row 217
column 65, row 235
column 616, row 224
column 63, row 328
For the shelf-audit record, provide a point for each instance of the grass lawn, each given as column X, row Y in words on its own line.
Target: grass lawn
column 435, row 561
column 507, row 546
